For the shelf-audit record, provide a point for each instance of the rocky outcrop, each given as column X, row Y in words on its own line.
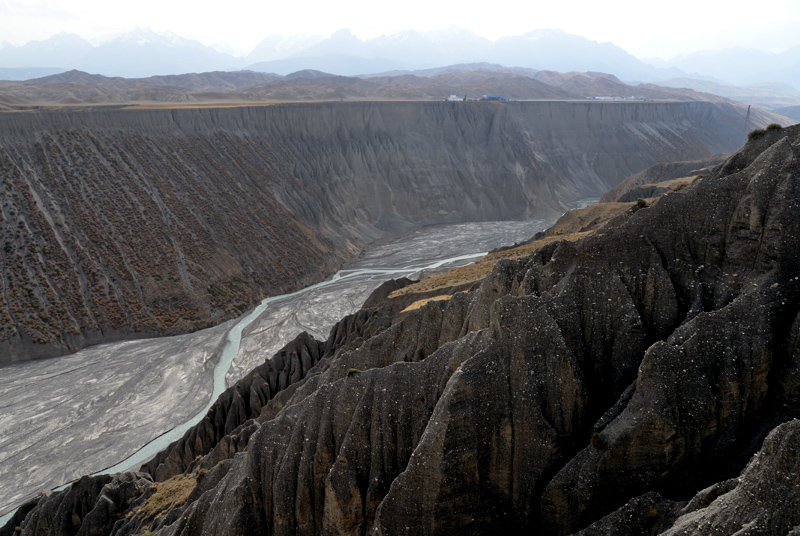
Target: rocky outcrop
column 90, row 505
column 764, row 499
column 130, row 223
column 646, row 183
column 227, row 427
column 593, row 386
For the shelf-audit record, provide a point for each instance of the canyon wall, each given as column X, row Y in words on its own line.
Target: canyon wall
column 120, row 223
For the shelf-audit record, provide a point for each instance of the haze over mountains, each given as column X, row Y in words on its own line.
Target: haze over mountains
column 741, row 65
column 143, row 53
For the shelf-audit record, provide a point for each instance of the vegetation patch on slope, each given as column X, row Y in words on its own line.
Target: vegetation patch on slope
column 572, row 226
column 166, row 495
column 419, row 303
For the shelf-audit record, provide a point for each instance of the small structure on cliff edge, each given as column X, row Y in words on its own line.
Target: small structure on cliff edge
column 494, row 98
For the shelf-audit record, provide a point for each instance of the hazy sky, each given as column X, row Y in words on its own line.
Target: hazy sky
column 642, row 27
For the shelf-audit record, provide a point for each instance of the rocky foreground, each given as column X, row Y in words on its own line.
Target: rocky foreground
column 642, row 380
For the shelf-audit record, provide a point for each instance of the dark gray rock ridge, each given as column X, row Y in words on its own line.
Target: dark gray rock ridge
column 227, row 427
column 614, row 384
column 643, row 184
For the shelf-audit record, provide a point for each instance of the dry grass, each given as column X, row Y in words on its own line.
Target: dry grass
column 574, row 225
column 672, row 184
column 219, row 104
column 28, row 107
column 588, row 218
column 419, row 303
column 527, row 249
column 10, row 109
column 243, row 104
column 478, row 270
column 168, row 495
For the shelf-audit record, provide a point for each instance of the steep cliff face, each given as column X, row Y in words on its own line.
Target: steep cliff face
column 126, row 223
column 593, row 386
column 112, row 233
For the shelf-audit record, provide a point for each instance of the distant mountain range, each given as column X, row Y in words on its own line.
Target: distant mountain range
column 139, row 53
column 60, row 51
column 767, row 95
column 470, row 80
column 792, row 112
column 346, row 54
column 740, row 66
column 143, row 53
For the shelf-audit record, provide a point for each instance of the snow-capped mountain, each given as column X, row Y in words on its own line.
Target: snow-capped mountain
column 61, row 49
column 144, row 52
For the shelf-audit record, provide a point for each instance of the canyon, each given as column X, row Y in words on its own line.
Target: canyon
column 642, row 378
column 110, row 407
column 129, row 223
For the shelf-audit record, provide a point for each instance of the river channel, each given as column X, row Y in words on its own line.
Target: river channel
column 111, row 407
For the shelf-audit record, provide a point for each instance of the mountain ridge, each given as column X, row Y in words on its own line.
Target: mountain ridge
column 77, row 87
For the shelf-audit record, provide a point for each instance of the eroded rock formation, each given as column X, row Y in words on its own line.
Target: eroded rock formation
column 615, row 385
